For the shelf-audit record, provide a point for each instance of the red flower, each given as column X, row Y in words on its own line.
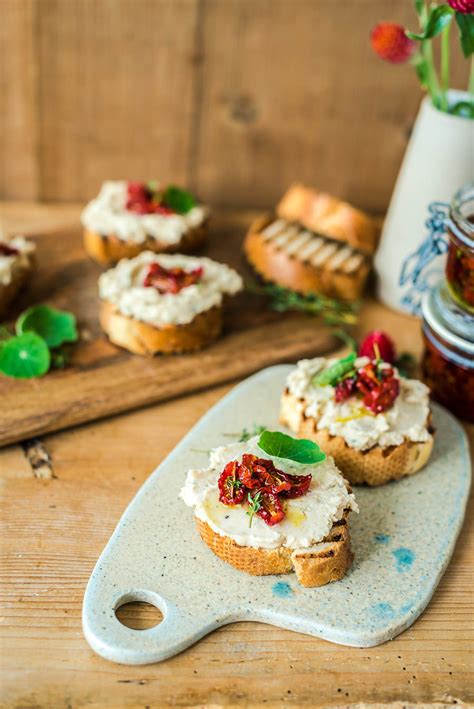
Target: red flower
column 463, row 6
column 390, row 42
column 385, row 346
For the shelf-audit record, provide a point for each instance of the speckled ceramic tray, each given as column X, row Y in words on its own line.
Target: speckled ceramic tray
column 403, row 539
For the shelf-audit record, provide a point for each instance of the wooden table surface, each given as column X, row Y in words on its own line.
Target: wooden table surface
column 61, row 499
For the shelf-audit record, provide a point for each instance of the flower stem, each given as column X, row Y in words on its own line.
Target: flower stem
column 432, row 78
column 470, row 86
column 445, row 67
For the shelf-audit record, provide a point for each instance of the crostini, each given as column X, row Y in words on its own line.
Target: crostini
column 265, row 514
column 166, row 303
column 314, row 244
column 375, row 423
column 127, row 218
column 17, row 257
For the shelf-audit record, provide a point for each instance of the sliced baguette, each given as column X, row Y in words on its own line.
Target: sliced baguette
column 110, row 249
column 145, row 339
column 373, row 467
column 326, row 561
column 330, row 216
column 274, row 262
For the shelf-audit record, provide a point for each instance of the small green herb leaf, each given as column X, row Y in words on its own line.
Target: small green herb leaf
column 54, row 326
column 254, row 503
column 439, row 17
column 333, row 312
column 179, row 200
column 24, row 356
column 299, row 450
column 336, row 372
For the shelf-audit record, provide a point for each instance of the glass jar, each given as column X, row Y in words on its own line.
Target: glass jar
column 460, row 260
column 448, row 359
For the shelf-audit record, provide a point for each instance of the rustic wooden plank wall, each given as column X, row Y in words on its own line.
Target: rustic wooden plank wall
column 233, row 97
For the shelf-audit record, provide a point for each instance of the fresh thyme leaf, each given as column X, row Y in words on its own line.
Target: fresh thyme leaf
column 178, row 199
column 53, row 325
column 300, row 450
column 333, row 312
column 336, row 372
column 255, row 504
column 256, row 430
column 24, row 356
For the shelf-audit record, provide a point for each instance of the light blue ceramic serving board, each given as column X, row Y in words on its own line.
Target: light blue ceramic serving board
column 403, row 539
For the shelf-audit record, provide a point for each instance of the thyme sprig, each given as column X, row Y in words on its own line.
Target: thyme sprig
column 255, row 504
column 333, row 312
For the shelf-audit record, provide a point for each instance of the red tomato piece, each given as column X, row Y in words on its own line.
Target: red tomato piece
column 299, row 486
column 231, row 490
column 271, row 510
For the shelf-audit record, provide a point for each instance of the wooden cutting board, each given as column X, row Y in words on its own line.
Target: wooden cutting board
column 102, row 379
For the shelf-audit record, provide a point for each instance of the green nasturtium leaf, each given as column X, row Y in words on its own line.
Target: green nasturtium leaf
column 334, row 373
column 179, row 200
column 53, row 325
column 24, row 356
column 300, row 450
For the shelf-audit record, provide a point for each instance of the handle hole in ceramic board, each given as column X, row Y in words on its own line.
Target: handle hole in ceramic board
column 139, row 615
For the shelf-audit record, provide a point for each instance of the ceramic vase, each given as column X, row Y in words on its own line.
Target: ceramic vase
column 438, row 161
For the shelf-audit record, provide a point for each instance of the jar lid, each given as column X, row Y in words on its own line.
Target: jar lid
column 448, row 320
column 461, row 213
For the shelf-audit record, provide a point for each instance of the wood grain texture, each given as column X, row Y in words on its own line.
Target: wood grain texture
column 115, row 90
column 18, row 105
column 235, row 97
column 293, row 91
column 103, row 379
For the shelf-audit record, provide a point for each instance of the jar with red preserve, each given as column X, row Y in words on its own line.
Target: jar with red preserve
column 448, row 359
column 460, row 260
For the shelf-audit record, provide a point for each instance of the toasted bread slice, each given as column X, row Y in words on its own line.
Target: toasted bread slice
column 145, row 339
column 327, row 561
column 110, row 249
column 373, row 467
column 329, row 216
column 293, row 257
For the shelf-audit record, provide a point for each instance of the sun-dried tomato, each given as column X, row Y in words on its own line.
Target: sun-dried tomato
column 270, row 477
column 262, row 485
column 299, row 486
column 231, row 490
column 141, row 199
column 379, row 387
column 171, row 280
column 270, row 510
column 345, row 389
column 246, row 472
